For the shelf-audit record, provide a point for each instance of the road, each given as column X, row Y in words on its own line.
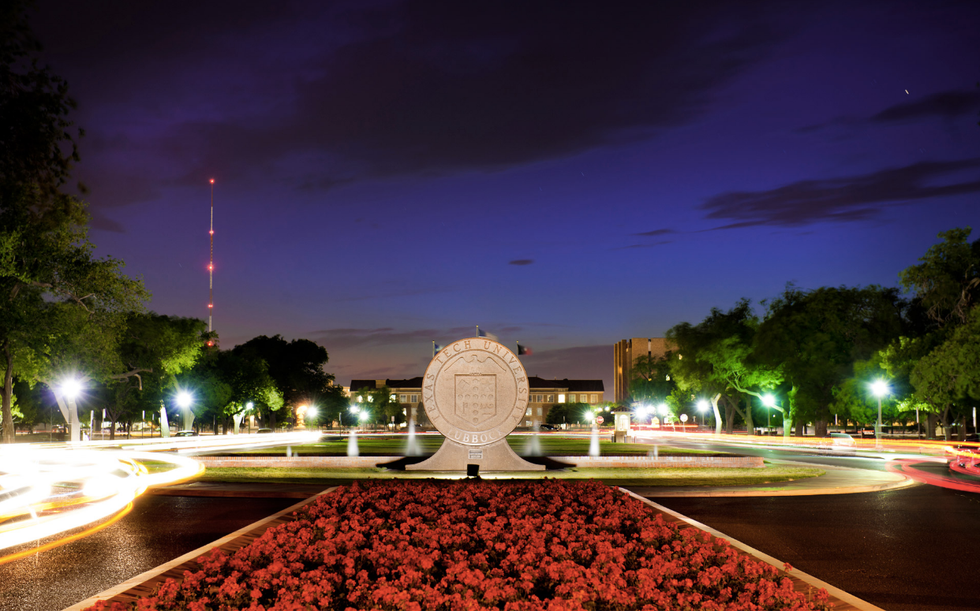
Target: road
column 157, row 530
column 913, row 548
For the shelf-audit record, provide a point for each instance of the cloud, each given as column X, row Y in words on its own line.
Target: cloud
column 389, row 336
column 944, row 104
column 521, row 262
column 656, row 232
column 319, row 96
column 385, row 336
column 847, row 199
column 650, row 245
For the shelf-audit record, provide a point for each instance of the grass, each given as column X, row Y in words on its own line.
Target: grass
column 551, row 445
column 617, row 477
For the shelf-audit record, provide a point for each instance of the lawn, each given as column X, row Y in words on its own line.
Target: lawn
column 613, row 477
column 551, row 445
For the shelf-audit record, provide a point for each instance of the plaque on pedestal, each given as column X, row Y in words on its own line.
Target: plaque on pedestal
column 475, row 392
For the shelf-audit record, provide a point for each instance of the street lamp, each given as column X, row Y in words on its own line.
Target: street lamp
column 71, row 388
column 311, row 412
column 879, row 388
column 184, row 400
column 769, row 401
column 702, row 407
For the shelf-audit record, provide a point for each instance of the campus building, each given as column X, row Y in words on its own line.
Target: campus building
column 625, row 353
column 542, row 395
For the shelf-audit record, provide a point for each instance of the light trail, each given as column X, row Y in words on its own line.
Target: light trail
column 49, row 492
column 943, row 481
column 927, row 447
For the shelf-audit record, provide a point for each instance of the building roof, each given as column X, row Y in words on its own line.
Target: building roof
column 366, row 385
column 537, row 383
column 534, row 382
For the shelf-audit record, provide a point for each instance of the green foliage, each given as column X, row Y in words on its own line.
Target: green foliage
column 651, row 381
column 815, row 337
column 60, row 306
column 950, row 373
column 939, row 358
column 715, row 360
column 296, row 369
column 947, row 281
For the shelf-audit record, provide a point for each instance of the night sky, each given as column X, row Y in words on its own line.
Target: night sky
column 566, row 174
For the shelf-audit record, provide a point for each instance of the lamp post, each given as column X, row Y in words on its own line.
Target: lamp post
column 184, row 400
column 71, row 388
column 769, row 401
column 702, row 406
column 879, row 388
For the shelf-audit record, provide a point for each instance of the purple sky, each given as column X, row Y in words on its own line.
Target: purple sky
column 564, row 174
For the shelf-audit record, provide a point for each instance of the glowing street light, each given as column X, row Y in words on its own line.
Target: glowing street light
column 879, row 388
column 71, row 388
column 702, row 407
column 184, row 400
column 769, row 401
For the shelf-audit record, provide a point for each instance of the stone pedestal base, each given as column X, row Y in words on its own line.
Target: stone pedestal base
column 454, row 456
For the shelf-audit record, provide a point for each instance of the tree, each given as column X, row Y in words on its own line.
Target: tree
column 651, row 381
column 296, row 367
column 946, row 286
column 815, row 338
column 947, row 281
column 950, row 374
column 715, row 358
column 153, row 350
column 46, row 262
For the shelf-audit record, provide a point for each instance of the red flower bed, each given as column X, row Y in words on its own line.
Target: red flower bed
column 477, row 545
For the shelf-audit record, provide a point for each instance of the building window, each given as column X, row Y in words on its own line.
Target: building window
column 561, row 398
column 415, row 399
column 572, row 398
column 551, row 398
column 539, row 411
column 593, row 398
column 360, row 399
column 527, row 423
column 401, row 398
column 393, row 398
column 528, row 412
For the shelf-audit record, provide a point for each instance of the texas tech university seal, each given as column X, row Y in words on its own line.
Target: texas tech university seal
column 475, row 392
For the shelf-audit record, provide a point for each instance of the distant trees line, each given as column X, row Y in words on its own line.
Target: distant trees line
column 814, row 353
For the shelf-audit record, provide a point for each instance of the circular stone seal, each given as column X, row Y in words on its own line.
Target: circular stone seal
column 475, row 391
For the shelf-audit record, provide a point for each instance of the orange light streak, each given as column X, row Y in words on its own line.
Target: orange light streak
column 62, row 541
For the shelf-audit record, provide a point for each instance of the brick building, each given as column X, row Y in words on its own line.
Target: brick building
column 625, row 353
column 541, row 396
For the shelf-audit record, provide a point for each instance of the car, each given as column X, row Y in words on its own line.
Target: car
column 867, row 433
column 546, row 427
column 186, row 433
column 842, row 440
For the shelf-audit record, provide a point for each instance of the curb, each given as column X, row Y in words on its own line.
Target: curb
column 847, row 601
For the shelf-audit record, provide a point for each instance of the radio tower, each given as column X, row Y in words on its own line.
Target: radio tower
column 211, row 265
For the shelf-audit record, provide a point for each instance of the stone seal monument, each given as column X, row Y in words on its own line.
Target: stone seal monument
column 475, row 392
